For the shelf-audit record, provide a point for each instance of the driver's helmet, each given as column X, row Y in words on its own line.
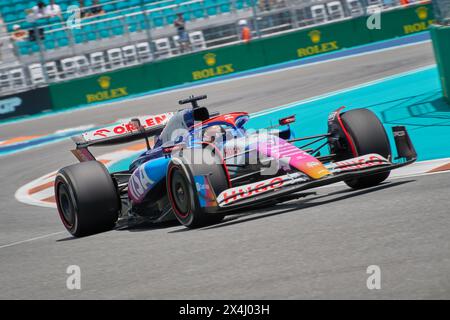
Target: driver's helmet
column 213, row 134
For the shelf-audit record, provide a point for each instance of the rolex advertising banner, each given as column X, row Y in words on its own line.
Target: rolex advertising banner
column 209, row 64
column 103, row 87
column 401, row 22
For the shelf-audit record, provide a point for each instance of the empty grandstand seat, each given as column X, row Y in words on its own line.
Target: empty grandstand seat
column 211, row 7
column 129, row 54
column 82, row 64
column 17, row 78
column 197, row 10
column 69, row 68
column 98, row 63
column 197, row 40
column 36, row 73
column 34, row 47
column 52, row 71
column 157, row 19
column 5, row 82
column 117, row 28
column 163, row 49
column 225, row 6
column 23, row 48
column 239, row 4
column 115, row 58
column 144, row 52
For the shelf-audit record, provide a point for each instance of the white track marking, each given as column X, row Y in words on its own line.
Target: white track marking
column 330, row 94
column 31, row 240
column 43, row 186
column 24, row 195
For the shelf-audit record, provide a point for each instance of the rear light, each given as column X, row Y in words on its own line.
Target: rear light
column 288, row 120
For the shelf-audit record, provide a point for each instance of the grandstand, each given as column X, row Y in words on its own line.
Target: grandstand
column 121, row 18
column 139, row 31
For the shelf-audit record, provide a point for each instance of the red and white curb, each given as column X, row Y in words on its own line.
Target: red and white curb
column 40, row 191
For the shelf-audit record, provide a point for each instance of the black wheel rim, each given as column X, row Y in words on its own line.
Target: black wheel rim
column 180, row 192
column 66, row 205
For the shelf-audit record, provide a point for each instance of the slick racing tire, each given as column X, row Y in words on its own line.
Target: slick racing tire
column 183, row 192
column 368, row 136
column 87, row 199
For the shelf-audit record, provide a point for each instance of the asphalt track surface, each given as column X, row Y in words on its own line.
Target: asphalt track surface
column 318, row 247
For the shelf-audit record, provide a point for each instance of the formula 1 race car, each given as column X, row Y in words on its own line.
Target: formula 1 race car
column 198, row 166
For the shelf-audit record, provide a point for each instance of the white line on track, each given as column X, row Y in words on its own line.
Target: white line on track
column 330, row 94
column 31, row 240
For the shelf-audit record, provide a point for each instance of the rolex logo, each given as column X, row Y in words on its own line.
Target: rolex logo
column 210, row 59
column 422, row 13
column 104, row 82
column 315, row 36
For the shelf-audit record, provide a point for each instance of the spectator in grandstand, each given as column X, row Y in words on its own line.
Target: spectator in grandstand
column 36, row 13
column 246, row 32
column 96, row 9
column 53, row 10
column 180, row 24
column 39, row 11
column 84, row 12
column 265, row 5
column 18, row 34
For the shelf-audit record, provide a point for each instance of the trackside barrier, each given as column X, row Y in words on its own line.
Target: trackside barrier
column 230, row 59
column 441, row 44
column 25, row 103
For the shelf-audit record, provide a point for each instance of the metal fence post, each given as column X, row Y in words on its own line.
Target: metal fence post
column 148, row 26
column 256, row 18
column 41, row 51
column 293, row 13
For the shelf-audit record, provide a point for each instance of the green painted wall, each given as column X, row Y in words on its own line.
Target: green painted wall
column 441, row 45
column 230, row 59
column 208, row 64
column 397, row 23
column 104, row 87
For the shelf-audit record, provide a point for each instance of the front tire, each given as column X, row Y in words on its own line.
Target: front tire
column 182, row 189
column 86, row 198
column 368, row 136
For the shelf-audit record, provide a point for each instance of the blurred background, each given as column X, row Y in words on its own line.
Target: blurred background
column 52, row 41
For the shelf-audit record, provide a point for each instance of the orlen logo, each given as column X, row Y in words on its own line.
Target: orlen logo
column 9, row 105
column 129, row 127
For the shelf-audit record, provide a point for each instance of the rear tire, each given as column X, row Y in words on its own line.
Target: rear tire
column 368, row 136
column 87, row 198
column 182, row 189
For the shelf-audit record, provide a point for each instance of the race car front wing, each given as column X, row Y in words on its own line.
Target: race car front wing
column 281, row 186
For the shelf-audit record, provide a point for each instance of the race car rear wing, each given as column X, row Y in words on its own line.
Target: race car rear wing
column 124, row 132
